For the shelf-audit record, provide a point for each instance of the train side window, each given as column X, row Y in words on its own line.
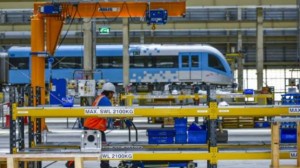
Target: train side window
column 150, row 62
column 19, row 63
column 138, row 62
column 116, row 62
column 166, row 61
column 215, row 63
column 141, row 62
column 109, row 62
column 185, row 61
column 195, row 61
column 103, row 62
column 67, row 63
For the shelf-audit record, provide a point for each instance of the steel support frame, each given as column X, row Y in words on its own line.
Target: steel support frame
column 212, row 112
column 131, row 97
column 194, row 111
column 13, row 124
column 30, row 119
column 38, row 122
column 212, row 130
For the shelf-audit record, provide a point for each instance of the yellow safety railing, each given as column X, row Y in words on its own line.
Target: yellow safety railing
column 211, row 112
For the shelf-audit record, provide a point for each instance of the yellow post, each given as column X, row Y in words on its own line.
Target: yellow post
column 14, row 117
column 25, row 164
column 213, row 110
column 12, row 163
column 14, row 111
column 275, row 145
column 127, row 98
column 130, row 98
column 214, row 155
column 79, row 162
column 1, row 97
column 33, row 119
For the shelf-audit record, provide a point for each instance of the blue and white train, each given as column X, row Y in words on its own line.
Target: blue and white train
column 148, row 64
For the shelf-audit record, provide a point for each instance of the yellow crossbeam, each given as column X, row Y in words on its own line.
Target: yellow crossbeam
column 147, row 156
column 163, row 111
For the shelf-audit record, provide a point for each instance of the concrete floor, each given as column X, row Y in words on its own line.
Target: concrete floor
column 60, row 133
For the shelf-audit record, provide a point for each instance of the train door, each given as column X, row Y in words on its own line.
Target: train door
column 190, row 66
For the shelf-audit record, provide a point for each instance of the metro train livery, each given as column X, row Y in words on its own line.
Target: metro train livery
column 148, row 64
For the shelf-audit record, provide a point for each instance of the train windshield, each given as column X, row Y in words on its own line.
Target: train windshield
column 215, row 63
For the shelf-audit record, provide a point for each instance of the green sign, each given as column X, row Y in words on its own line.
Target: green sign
column 104, row 30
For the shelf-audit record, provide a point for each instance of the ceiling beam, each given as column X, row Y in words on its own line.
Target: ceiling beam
column 273, row 64
column 216, row 25
column 29, row 4
column 240, row 2
column 177, row 40
column 12, row 5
